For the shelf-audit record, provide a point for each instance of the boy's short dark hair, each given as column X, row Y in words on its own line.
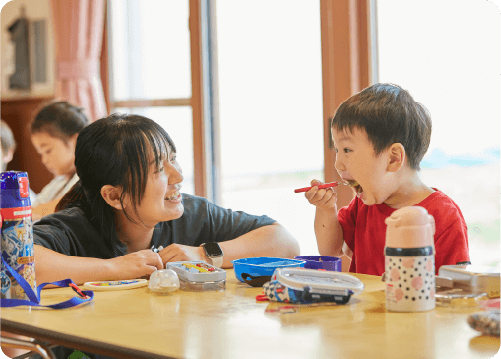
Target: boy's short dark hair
column 389, row 115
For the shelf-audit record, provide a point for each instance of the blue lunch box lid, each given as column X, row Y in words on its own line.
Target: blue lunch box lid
column 262, row 266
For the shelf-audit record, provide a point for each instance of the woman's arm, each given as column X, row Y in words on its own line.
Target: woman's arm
column 51, row 266
column 268, row 241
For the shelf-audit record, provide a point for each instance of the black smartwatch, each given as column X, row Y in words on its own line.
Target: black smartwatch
column 214, row 252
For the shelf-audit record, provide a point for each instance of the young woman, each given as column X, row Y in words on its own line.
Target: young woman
column 54, row 132
column 128, row 201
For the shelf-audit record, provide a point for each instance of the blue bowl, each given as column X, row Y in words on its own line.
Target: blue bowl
column 262, row 266
column 321, row 262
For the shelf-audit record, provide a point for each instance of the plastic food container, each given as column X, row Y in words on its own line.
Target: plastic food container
column 191, row 279
column 322, row 262
column 164, row 281
column 262, row 266
column 458, row 298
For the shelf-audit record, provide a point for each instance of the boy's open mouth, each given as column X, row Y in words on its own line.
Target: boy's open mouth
column 354, row 184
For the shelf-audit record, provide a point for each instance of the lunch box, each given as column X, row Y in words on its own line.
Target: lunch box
column 258, row 270
column 321, row 262
column 301, row 285
column 198, row 281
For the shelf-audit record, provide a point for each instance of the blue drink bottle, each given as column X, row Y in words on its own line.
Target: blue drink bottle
column 16, row 233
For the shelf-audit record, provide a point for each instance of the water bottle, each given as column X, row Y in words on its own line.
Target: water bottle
column 410, row 260
column 16, row 233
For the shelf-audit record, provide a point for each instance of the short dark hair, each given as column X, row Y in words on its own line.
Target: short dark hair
column 115, row 150
column 59, row 119
column 7, row 139
column 388, row 114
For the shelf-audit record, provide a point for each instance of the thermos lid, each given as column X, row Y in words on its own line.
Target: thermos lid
column 410, row 227
column 13, row 179
column 15, row 189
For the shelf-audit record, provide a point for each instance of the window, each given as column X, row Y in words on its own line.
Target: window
column 270, row 110
column 447, row 54
column 150, row 69
column 260, row 126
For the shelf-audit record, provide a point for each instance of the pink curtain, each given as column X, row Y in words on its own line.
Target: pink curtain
column 78, row 29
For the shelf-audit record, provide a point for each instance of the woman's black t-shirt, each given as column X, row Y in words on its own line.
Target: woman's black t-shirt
column 71, row 233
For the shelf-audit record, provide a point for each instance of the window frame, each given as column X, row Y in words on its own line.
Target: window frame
column 347, row 67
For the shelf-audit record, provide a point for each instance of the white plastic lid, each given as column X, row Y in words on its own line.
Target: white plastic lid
column 298, row 278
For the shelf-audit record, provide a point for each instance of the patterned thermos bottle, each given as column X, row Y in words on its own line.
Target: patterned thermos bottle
column 16, row 233
column 410, row 260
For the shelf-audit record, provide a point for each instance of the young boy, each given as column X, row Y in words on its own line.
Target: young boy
column 380, row 136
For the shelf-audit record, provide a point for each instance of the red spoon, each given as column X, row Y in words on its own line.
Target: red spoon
column 321, row 186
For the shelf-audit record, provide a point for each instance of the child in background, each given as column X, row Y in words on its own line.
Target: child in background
column 54, row 133
column 8, row 147
column 380, row 136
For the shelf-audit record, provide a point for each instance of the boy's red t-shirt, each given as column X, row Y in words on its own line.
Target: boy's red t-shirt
column 364, row 231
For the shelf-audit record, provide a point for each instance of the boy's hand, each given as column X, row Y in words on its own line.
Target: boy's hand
column 135, row 265
column 325, row 199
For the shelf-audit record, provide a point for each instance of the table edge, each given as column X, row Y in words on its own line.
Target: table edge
column 74, row 342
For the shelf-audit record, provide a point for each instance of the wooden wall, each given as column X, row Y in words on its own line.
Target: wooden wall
column 18, row 114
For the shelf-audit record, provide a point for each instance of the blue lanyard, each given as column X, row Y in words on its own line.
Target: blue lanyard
column 34, row 299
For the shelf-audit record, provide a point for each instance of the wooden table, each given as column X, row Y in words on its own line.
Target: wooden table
column 137, row 323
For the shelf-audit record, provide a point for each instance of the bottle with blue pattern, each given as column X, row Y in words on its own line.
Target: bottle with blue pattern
column 16, row 233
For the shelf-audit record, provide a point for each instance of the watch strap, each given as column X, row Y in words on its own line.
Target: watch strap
column 217, row 261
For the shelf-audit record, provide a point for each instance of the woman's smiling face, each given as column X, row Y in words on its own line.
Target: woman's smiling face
column 356, row 161
column 161, row 200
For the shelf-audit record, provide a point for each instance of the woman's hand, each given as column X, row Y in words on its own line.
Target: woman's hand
column 179, row 252
column 325, row 199
column 135, row 265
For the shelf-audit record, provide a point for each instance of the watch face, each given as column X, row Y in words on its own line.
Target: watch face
column 213, row 249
